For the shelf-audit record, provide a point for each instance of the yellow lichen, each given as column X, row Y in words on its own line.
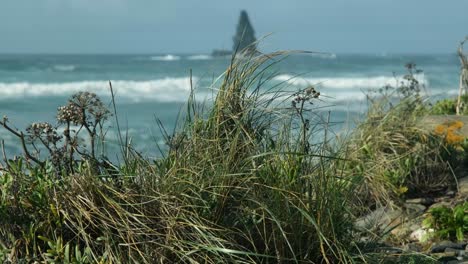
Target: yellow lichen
column 440, row 130
column 450, row 132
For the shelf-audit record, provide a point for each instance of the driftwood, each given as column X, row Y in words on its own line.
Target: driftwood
column 463, row 76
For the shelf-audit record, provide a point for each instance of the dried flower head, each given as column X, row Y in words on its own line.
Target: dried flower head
column 70, row 113
column 82, row 107
column 306, row 95
column 43, row 131
column 90, row 102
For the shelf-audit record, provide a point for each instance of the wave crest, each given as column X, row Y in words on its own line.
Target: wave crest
column 64, row 68
column 165, row 90
column 168, row 57
column 199, row 57
column 347, row 82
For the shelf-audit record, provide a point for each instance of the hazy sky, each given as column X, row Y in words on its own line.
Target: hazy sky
column 198, row 26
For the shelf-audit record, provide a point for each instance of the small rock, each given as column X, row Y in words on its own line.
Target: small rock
column 463, row 187
column 383, row 219
column 414, row 209
column 440, row 204
column 451, row 250
column 443, row 199
column 405, row 229
column 424, row 201
column 450, row 194
column 461, row 254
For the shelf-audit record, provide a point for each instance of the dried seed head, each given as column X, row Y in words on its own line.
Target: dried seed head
column 44, row 131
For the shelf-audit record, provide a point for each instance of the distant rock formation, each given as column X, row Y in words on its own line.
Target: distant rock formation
column 244, row 39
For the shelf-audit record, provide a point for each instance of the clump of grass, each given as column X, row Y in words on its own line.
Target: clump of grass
column 391, row 154
column 249, row 166
column 245, row 181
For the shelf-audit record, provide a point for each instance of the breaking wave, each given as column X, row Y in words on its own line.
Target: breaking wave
column 347, row 82
column 168, row 57
column 199, row 57
column 331, row 56
column 165, row 90
column 64, row 68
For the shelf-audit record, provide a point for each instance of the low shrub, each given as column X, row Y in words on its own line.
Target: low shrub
column 448, row 223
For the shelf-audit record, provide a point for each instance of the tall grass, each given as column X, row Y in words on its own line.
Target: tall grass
column 245, row 180
column 392, row 153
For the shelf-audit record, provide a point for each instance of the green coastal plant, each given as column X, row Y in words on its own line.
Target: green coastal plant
column 65, row 149
column 66, row 254
column 448, row 223
column 444, row 107
column 448, row 106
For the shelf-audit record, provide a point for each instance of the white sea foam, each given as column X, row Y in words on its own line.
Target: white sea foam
column 64, row 68
column 331, row 56
column 347, row 82
column 168, row 57
column 165, row 90
column 199, row 57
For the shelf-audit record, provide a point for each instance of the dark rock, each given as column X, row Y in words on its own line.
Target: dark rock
column 442, row 246
column 448, row 259
column 392, row 250
column 244, row 39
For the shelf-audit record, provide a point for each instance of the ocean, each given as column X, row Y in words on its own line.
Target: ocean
column 156, row 86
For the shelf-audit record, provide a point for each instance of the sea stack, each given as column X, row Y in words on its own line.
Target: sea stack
column 244, row 41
